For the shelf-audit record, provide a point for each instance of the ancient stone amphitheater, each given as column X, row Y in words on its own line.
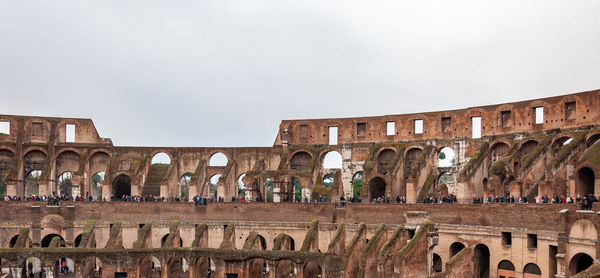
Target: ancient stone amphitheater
column 490, row 159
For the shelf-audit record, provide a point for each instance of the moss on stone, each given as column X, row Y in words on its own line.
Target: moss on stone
column 359, row 232
column 311, row 236
column 425, row 226
column 428, row 184
column 591, row 156
column 566, row 150
column 529, row 158
column 251, row 240
column 199, row 233
column 469, row 169
column 336, row 238
column 386, row 249
column 87, row 233
column 143, row 234
column 228, row 240
column 420, row 162
column 22, row 238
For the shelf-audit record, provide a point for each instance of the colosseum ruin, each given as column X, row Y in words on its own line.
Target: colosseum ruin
column 492, row 191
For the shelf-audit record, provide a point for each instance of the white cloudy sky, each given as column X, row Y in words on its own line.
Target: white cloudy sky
column 224, row 73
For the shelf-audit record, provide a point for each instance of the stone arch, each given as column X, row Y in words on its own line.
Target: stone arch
column 161, row 157
column 32, row 179
column 585, row 180
column 482, row 261
column 121, row 186
column 583, row 229
column 218, row 159
column 164, row 239
column 287, row 243
column 241, row 186
column 300, row 160
column 35, row 160
column 148, row 266
column 446, row 157
column 6, row 158
column 96, row 184
column 437, row 263
column 498, row 149
column 591, row 139
column 506, row 269
column 377, row 186
column 32, row 265
column 48, row 238
column 410, row 156
column 13, row 241
column 357, row 184
column 384, row 158
column 263, row 242
column 527, row 146
column 332, row 160
column 213, row 189
column 579, row 263
column 560, row 141
column 455, row 248
column 184, row 185
column 77, row 240
column 328, row 180
column 65, row 184
column 532, row 270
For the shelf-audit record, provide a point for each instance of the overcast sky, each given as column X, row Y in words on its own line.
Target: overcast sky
column 225, row 73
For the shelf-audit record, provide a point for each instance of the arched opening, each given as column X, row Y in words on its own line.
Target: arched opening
column 269, row 185
column 328, row 180
column 48, row 239
column 455, row 248
column 332, row 160
column 218, row 160
column 184, row 186
column 311, row 269
column 357, row 182
column 32, row 266
column 384, row 159
column 161, row 158
column 411, row 156
column 97, row 181
column 263, row 242
column 213, row 187
column 150, row 267
column 585, row 181
column 560, row 142
column 482, row 261
column 299, row 161
column 202, row 267
column 485, row 183
column 13, row 241
column 446, row 157
column 592, row 140
column 531, row 270
column 579, row 263
column 77, row 240
column 65, row 186
column 528, row 147
column 66, row 266
column 377, row 189
column 297, row 190
column 6, row 158
column 437, row 263
column 121, row 187
column 241, row 186
column 444, row 181
column 506, row 269
column 498, row 150
column 33, row 164
column 176, row 267
column 178, row 242
column 92, row 267
column 32, row 183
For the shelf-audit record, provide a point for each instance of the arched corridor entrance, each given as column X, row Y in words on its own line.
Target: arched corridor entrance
column 377, row 188
column 121, row 186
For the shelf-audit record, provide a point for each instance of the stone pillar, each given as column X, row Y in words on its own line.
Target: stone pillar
column 11, row 188
column 411, row 196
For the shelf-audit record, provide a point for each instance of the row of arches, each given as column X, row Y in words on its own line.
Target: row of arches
column 481, row 255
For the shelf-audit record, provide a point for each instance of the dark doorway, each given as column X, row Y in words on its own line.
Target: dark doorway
column 121, row 186
column 377, row 188
column 482, row 261
column 585, row 181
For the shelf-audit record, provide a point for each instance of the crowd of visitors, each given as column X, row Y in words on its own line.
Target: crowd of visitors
column 586, row 201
